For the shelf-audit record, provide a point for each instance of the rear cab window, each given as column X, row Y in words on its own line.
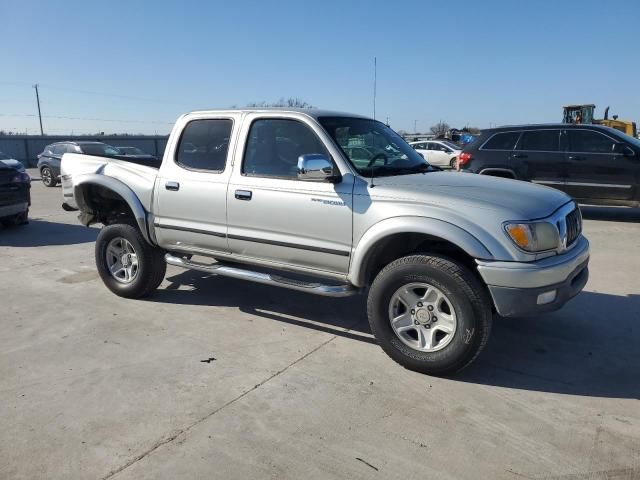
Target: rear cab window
column 204, row 145
column 502, row 141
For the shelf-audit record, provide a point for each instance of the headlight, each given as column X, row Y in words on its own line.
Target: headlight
column 534, row 237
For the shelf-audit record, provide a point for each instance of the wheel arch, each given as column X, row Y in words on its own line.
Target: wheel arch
column 399, row 236
column 91, row 189
column 498, row 172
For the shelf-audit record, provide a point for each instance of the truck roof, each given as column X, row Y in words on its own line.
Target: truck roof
column 310, row 112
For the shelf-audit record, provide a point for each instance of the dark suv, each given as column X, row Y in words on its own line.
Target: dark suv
column 49, row 159
column 15, row 196
column 592, row 163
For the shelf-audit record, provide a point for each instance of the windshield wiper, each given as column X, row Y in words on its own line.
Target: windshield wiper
column 419, row 168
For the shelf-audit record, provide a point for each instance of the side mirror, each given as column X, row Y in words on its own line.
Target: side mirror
column 421, row 154
column 316, row 167
column 621, row 148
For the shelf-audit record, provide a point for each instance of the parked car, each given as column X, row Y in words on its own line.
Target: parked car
column 11, row 162
column 15, row 196
column 438, row 152
column 592, row 163
column 285, row 204
column 49, row 159
column 367, row 156
column 136, row 155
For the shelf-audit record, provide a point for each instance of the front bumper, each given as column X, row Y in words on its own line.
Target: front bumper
column 516, row 287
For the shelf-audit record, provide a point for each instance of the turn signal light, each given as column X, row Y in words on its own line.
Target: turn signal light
column 520, row 234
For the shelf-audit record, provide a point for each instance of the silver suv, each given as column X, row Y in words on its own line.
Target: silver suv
column 288, row 198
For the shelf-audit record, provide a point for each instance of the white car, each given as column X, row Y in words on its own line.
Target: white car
column 441, row 153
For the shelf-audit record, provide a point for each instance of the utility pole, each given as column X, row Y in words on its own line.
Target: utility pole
column 375, row 80
column 415, row 126
column 39, row 112
column 387, row 120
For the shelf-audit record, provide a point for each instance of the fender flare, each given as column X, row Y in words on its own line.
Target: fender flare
column 116, row 186
column 425, row 225
column 489, row 170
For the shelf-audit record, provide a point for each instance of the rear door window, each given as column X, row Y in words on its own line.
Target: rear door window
column 59, row 149
column 540, row 140
column 204, row 144
column 502, row 141
column 589, row 141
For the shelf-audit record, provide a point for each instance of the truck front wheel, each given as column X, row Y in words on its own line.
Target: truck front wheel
column 429, row 313
column 127, row 264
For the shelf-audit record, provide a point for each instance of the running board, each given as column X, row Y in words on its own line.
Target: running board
column 265, row 278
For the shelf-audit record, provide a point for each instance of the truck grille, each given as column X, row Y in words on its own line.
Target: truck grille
column 574, row 225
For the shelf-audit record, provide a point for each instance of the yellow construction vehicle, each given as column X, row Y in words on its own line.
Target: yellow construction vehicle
column 584, row 114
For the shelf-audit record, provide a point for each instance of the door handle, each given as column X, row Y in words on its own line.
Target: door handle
column 243, row 194
column 576, row 157
column 174, row 186
column 520, row 155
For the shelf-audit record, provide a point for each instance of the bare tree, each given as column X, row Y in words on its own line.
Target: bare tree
column 440, row 129
column 291, row 102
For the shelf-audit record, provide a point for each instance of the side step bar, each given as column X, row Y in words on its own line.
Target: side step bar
column 265, row 278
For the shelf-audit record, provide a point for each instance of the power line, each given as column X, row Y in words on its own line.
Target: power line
column 87, row 92
column 114, row 95
column 61, row 117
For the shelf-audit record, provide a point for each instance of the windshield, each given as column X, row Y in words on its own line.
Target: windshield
column 373, row 148
column 628, row 138
column 98, row 149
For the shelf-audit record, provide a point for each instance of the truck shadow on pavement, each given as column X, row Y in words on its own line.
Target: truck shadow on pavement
column 345, row 317
column 40, row 233
column 589, row 348
column 610, row 214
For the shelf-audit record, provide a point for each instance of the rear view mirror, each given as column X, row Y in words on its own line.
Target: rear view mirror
column 621, row 148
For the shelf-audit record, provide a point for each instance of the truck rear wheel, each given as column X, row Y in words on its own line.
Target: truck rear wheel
column 429, row 313
column 127, row 264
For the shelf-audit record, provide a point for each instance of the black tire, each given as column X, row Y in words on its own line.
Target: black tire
column 151, row 264
column 16, row 220
column 453, row 163
column 468, row 297
column 48, row 178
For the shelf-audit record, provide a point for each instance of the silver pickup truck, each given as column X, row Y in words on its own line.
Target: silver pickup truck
column 335, row 204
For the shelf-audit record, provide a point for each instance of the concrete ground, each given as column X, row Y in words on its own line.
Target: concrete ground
column 219, row 379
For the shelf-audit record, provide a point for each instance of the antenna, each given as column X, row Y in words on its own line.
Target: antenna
column 375, row 81
column 372, row 176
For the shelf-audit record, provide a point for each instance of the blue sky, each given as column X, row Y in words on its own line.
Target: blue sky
column 134, row 66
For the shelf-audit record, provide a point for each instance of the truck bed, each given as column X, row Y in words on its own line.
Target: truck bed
column 139, row 178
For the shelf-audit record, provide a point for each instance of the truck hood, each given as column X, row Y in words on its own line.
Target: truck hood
column 520, row 200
